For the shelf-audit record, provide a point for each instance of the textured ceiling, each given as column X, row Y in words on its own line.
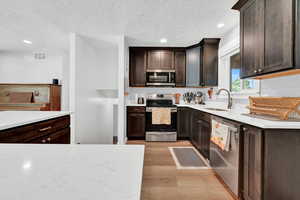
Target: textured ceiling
column 48, row 22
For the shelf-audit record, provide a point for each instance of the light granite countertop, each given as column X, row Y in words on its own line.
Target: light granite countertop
column 11, row 119
column 48, row 171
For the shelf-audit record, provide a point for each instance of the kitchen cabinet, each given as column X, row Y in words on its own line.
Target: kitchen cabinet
column 160, row 60
column 137, row 68
column 179, row 64
column 267, row 164
column 200, row 132
column 269, row 37
column 193, row 66
column 209, row 62
column 202, row 63
column 252, row 163
column 271, row 164
column 136, row 122
column 53, row 131
column 184, row 116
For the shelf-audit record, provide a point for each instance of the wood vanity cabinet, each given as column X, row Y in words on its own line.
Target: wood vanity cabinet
column 53, row 131
column 269, row 37
column 136, row 122
column 160, row 59
column 137, row 67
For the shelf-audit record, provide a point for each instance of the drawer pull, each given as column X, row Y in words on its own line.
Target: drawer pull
column 48, row 139
column 45, row 129
column 43, row 141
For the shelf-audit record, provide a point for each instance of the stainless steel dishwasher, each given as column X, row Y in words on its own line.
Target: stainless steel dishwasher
column 226, row 163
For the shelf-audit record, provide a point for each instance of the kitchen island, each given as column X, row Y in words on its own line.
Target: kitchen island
column 77, row 172
column 43, row 127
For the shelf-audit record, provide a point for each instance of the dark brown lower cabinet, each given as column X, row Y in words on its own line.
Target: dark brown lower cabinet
column 136, row 122
column 270, row 160
column 53, row 131
column 201, row 131
column 271, row 164
column 184, row 116
column 252, row 184
column 59, row 137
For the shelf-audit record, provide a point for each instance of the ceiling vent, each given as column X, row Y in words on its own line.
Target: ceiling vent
column 39, row 56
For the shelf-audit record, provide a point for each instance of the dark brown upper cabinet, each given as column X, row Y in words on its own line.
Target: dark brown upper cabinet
column 179, row 63
column 209, row 62
column 202, row 63
column 269, row 37
column 160, row 60
column 137, row 68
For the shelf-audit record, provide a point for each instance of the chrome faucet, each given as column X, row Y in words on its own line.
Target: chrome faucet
column 229, row 106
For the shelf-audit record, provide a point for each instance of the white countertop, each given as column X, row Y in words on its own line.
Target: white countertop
column 135, row 104
column 237, row 116
column 70, row 172
column 11, row 119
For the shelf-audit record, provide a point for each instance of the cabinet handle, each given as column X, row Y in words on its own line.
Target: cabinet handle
column 260, row 70
column 255, row 71
column 245, row 129
column 45, row 129
column 43, row 141
column 48, row 139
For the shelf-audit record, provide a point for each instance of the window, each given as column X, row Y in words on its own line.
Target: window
column 240, row 85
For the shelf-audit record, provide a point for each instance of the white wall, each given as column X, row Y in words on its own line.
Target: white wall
column 22, row 67
column 287, row 86
column 229, row 45
column 123, row 63
column 94, row 66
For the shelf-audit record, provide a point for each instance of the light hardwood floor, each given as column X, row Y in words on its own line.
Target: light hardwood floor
column 162, row 181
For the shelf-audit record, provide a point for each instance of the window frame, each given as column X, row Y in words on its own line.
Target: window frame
column 224, row 61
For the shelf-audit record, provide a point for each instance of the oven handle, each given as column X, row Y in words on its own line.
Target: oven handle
column 149, row 109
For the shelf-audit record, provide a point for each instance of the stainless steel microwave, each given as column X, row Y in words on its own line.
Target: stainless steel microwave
column 160, row 78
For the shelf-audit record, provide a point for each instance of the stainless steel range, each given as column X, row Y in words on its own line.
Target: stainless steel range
column 166, row 129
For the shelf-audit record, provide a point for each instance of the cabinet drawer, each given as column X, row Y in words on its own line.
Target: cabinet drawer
column 135, row 109
column 17, row 135
column 60, row 137
column 52, row 125
column 24, row 134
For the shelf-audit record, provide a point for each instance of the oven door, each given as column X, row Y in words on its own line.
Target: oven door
column 161, row 127
column 160, row 78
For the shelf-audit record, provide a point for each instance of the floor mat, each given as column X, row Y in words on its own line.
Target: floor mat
column 188, row 158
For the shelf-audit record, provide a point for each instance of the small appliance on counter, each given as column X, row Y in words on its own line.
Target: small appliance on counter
column 199, row 98
column 140, row 100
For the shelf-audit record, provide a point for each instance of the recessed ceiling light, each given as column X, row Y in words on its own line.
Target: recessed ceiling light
column 220, row 25
column 27, row 42
column 163, row 40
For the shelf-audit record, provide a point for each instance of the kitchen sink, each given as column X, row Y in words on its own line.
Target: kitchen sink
column 217, row 109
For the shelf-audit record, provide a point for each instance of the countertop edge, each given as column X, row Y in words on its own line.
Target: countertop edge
column 249, row 121
column 31, row 121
